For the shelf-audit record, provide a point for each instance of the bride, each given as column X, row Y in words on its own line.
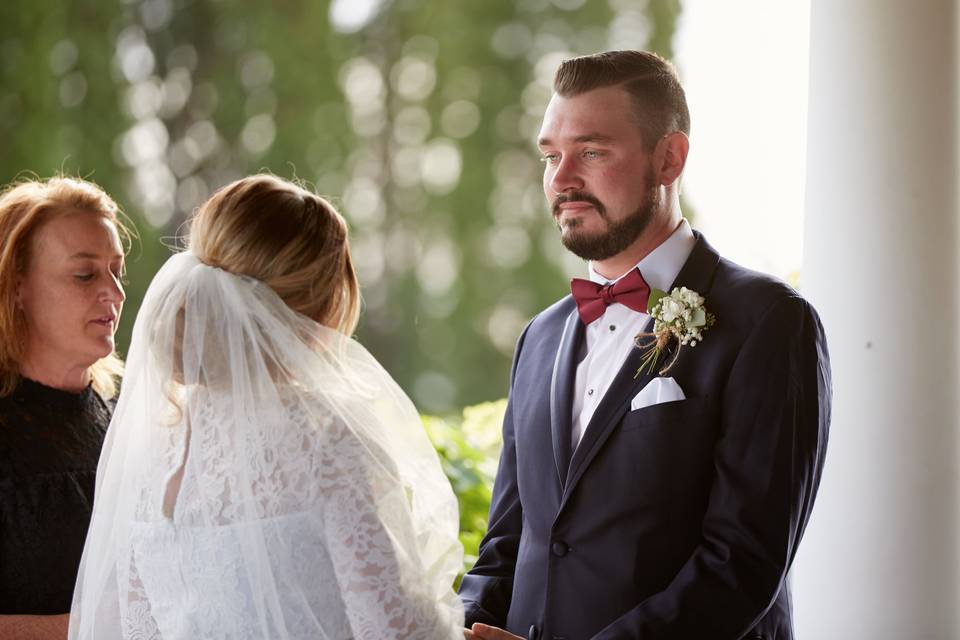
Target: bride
column 263, row 477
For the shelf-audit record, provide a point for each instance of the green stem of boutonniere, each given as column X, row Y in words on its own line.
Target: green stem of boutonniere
column 655, row 344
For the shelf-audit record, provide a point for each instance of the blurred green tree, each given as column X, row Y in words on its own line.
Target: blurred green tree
column 416, row 117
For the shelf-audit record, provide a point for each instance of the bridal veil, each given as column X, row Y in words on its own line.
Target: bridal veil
column 263, row 477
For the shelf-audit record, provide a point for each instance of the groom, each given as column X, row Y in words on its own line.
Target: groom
column 639, row 503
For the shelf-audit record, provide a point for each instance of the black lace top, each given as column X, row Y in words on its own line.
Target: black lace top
column 50, row 442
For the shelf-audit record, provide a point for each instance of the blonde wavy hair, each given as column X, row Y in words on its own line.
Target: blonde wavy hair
column 287, row 237
column 25, row 206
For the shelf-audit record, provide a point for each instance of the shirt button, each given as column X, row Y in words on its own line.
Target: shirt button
column 589, row 392
column 613, row 327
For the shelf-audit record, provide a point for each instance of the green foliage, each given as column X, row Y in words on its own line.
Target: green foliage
column 663, row 19
column 469, row 447
column 417, row 118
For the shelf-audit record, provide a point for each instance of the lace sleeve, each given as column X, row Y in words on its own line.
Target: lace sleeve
column 370, row 534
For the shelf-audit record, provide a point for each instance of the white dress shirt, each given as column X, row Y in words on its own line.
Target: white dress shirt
column 610, row 338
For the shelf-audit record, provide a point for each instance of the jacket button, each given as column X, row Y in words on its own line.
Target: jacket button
column 534, row 633
column 559, row 548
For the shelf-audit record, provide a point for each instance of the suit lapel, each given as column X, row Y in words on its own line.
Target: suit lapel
column 696, row 274
column 561, row 392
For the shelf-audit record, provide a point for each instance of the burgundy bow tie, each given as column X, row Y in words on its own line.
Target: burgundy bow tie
column 593, row 299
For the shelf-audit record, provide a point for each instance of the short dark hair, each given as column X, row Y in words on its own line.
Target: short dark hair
column 652, row 82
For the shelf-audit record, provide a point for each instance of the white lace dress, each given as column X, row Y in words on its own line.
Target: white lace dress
column 316, row 521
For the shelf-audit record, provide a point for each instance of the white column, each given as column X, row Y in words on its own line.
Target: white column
column 880, row 557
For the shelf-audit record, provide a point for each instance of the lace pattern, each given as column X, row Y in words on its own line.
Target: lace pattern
column 326, row 510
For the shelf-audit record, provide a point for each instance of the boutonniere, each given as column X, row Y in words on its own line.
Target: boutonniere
column 678, row 315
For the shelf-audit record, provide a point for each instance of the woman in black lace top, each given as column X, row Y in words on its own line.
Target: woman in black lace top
column 61, row 262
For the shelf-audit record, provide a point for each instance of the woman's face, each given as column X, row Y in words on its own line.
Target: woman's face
column 71, row 293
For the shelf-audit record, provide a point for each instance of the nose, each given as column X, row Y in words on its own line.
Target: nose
column 565, row 176
column 113, row 291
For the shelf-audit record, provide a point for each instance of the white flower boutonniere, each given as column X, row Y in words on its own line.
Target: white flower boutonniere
column 678, row 315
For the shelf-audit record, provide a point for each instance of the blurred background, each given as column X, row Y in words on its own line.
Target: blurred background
column 416, row 118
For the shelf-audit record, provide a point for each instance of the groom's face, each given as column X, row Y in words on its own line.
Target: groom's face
column 598, row 179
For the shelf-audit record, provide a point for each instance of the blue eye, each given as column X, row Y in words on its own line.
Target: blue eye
column 590, row 153
column 550, row 158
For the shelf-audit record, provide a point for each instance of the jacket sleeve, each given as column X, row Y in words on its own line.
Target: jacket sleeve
column 775, row 415
column 487, row 588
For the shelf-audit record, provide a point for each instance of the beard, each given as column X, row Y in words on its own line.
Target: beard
column 619, row 234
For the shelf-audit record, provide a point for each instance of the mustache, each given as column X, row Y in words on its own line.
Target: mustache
column 576, row 196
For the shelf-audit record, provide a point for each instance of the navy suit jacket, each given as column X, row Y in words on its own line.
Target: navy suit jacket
column 678, row 520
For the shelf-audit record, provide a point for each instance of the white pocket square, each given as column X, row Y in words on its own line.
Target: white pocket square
column 657, row 391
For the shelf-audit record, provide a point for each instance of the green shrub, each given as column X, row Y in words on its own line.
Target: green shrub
column 469, row 448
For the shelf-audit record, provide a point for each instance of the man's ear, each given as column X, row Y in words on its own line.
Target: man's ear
column 671, row 156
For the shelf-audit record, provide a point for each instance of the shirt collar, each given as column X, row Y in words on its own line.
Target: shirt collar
column 661, row 266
